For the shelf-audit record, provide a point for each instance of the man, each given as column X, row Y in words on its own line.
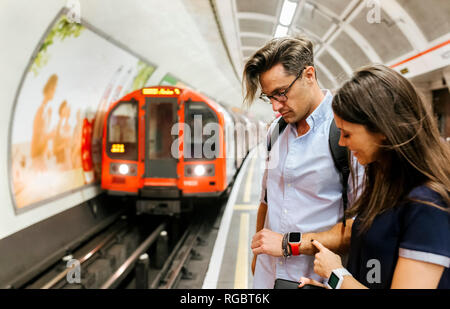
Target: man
column 301, row 189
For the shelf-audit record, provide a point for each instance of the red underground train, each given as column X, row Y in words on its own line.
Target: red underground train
column 167, row 145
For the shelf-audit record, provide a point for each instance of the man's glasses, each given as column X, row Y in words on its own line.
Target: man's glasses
column 280, row 96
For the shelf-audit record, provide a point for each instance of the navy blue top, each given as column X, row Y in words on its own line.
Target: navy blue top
column 414, row 230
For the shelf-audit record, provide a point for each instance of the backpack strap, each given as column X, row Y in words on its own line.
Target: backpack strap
column 341, row 161
column 281, row 124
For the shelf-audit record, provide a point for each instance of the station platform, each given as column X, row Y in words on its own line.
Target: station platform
column 230, row 263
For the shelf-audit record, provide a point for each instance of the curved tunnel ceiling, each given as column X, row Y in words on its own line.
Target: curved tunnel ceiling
column 343, row 36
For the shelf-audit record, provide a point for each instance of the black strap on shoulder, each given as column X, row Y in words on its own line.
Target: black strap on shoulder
column 340, row 158
column 281, row 124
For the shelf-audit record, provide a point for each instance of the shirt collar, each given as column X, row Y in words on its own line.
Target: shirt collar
column 320, row 114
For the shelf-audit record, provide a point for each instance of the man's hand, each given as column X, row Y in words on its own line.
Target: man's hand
column 267, row 242
column 253, row 264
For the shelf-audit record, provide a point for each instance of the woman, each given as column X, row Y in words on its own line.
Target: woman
column 401, row 235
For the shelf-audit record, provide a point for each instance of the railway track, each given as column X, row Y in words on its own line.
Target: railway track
column 93, row 261
column 134, row 253
column 174, row 268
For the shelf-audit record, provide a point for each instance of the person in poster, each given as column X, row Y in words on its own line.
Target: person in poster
column 41, row 124
column 62, row 138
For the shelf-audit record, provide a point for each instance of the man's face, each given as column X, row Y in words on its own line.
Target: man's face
column 298, row 104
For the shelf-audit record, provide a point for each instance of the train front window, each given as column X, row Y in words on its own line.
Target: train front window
column 203, row 141
column 122, row 131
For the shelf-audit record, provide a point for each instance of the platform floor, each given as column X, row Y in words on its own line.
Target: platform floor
column 230, row 264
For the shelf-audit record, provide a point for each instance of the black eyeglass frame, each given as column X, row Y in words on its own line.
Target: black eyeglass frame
column 266, row 98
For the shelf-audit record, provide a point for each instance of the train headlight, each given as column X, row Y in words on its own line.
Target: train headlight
column 124, row 169
column 199, row 170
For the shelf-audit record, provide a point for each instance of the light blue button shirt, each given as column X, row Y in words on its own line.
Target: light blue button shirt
column 303, row 193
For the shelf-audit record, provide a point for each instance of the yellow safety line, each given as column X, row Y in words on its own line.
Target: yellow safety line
column 248, row 182
column 241, row 273
column 248, row 207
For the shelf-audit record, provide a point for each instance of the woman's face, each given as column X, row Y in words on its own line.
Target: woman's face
column 364, row 145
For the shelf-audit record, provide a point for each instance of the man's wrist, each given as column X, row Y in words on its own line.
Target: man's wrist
column 307, row 247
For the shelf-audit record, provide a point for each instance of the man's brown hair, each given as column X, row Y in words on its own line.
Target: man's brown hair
column 294, row 53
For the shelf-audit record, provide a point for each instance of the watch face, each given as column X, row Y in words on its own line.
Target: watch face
column 294, row 237
column 333, row 280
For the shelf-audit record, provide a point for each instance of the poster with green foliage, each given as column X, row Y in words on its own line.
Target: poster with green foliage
column 57, row 120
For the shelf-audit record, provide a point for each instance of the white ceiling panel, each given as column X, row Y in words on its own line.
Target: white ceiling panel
column 333, row 66
column 336, row 6
column 314, row 20
column 387, row 39
column 350, row 50
column 258, row 26
column 432, row 16
column 268, row 7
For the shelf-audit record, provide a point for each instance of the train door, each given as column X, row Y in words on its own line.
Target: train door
column 161, row 115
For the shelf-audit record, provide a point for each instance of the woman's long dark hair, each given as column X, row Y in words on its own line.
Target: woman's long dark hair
column 413, row 153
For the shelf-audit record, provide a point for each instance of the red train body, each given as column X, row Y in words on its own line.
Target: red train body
column 168, row 144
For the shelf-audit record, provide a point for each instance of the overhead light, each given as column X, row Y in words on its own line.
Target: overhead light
column 287, row 12
column 281, row 31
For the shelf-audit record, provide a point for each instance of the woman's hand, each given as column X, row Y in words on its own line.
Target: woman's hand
column 304, row 281
column 325, row 260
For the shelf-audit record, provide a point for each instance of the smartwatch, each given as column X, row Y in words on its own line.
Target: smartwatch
column 337, row 277
column 294, row 241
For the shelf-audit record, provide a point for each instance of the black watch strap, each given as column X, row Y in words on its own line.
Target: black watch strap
column 285, row 246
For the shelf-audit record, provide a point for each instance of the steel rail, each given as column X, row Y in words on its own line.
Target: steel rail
column 127, row 266
column 110, row 236
column 181, row 258
column 169, row 261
